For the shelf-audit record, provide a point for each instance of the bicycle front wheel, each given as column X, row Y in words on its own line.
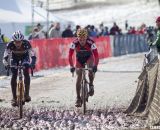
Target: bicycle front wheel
column 20, row 99
column 84, row 95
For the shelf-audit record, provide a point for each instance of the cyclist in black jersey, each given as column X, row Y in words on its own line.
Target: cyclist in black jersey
column 19, row 49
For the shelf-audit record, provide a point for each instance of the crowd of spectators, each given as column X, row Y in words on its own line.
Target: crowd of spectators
column 55, row 31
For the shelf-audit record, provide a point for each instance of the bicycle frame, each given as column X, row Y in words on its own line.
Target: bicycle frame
column 20, row 93
column 20, row 86
column 84, row 88
column 20, row 89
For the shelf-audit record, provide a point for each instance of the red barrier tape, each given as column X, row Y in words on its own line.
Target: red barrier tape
column 54, row 52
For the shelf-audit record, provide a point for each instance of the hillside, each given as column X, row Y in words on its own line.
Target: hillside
column 136, row 13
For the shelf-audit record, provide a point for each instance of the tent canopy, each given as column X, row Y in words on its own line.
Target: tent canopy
column 17, row 15
column 21, row 11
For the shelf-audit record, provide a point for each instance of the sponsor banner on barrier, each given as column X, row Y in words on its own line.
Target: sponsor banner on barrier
column 104, row 47
column 54, row 52
column 51, row 53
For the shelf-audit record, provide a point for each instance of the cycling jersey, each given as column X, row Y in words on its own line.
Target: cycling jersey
column 25, row 51
column 83, row 53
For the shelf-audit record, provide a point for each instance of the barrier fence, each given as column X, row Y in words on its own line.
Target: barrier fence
column 2, row 48
column 54, row 52
column 128, row 44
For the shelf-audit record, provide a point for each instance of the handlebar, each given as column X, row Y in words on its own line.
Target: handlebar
column 18, row 67
column 84, row 69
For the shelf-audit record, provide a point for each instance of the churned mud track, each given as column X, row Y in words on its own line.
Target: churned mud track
column 53, row 98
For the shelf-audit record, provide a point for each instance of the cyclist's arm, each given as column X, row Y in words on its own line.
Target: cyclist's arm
column 71, row 52
column 157, row 41
column 95, row 54
column 31, row 52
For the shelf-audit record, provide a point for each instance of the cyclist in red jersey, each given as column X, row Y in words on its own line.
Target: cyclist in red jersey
column 86, row 53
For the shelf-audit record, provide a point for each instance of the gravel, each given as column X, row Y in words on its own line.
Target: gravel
column 49, row 118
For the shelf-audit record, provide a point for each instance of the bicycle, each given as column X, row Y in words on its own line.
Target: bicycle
column 20, row 87
column 84, row 88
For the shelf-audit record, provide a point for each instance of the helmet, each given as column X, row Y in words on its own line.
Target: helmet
column 17, row 36
column 82, row 33
column 158, row 19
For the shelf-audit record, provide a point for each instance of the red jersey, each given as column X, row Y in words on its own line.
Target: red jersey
column 83, row 53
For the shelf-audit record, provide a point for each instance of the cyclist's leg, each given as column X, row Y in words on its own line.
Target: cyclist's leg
column 91, row 76
column 14, row 83
column 78, row 85
column 27, row 84
column 26, row 79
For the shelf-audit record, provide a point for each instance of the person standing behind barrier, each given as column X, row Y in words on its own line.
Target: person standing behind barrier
column 77, row 27
column 150, row 35
column 86, row 53
column 67, row 32
column 92, row 31
column 3, row 38
column 55, row 32
column 19, row 50
column 115, row 29
column 34, row 34
column 126, row 25
column 157, row 41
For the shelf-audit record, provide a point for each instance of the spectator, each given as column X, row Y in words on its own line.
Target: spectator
column 36, row 34
column 101, row 27
column 55, row 32
column 150, row 35
column 115, row 29
column 142, row 29
column 47, row 33
column 92, row 32
column 67, row 32
column 3, row 38
column 39, row 26
column 101, row 33
column 106, row 31
column 77, row 27
column 126, row 25
column 42, row 34
column 132, row 30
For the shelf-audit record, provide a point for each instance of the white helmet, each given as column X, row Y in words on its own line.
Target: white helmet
column 17, row 36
